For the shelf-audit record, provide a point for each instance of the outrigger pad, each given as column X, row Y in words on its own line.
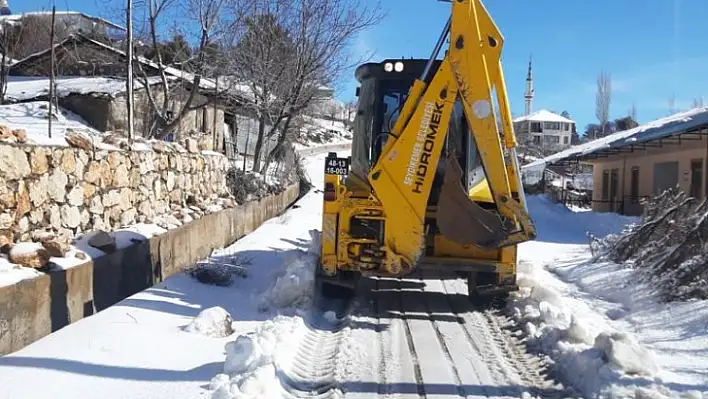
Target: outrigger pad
column 461, row 219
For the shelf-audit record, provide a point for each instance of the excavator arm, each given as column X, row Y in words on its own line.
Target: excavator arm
column 402, row 177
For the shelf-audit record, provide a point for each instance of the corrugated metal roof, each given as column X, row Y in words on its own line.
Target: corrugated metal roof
column 660, row 128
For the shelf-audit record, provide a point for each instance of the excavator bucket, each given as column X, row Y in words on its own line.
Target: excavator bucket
column 459, row 218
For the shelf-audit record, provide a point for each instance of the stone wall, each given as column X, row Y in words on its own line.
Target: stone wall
column 71, row 190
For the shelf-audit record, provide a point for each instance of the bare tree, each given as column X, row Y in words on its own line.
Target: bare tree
column 603, row 97
column 301, row 45
column 632, row 112
column 176, row 96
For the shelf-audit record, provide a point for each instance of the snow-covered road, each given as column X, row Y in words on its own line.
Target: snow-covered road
column 401, row 338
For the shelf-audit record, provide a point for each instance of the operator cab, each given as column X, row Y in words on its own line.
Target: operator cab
column 382, row 93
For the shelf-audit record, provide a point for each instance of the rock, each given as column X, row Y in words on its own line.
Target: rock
column 106, row 174
column 134, row 178
column 20, row 135
column 29, row 254
column 111, row 198
column 56, row 248
column 39, row 163
column 43, row 235
column 161, row 146
column 36, row 216
column 176, row 196
column 5, row 132
column 70, row 216
column 115, row 159
column 170, row 181
column 128, row 217
column 76, row 196
column 96, row 206
column 85, row 218
column 81, row 255
column 68, row 161
column 79, row 169
column 13, row 163
column 93, row 172
column 120, row 177
column 55, row 216
column 126, row 199
column 5, row 238
column 146, row 165
column 23, row 225
column 145, row 208
column 212, row 322
column 23, row 204
column 98, row 223
column 38, row 190
column 7, row 220
column 112, row 215
column 157, row 189
column 79, row 140
column 89, row 190
column 7, row 197
column 56, row 186
column 103, row 241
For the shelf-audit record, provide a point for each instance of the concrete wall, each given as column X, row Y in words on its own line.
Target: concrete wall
column 34, row 308
column 644, row 161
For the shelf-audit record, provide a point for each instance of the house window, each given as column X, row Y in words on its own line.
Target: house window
column 537, row 139
column 634, row 183
column 551, row 125
column 605, row 184
column 536, row 127
column 565, row 140
column 696, row 177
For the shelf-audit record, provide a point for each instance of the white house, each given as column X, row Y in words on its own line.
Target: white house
column 546, row 129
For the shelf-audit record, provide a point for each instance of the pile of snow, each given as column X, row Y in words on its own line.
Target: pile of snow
column 212, row 322
column 668, row 249
column 253, row 358
column 293, row 286
column 603, row 331
column 24, row 88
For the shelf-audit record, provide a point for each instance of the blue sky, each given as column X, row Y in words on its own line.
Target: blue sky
column 653, row 49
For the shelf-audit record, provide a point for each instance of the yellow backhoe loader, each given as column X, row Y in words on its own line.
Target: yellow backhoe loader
column 432, row 181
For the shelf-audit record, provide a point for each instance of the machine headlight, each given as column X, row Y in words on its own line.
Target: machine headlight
column 388, row 67
column 399, row 66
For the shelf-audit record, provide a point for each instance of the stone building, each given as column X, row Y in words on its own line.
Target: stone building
column 91, row 84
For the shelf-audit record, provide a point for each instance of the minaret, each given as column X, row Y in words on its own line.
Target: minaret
column 4, row 8
column 528, row 95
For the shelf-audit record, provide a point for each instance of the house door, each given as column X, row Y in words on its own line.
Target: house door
column 696, row 177
column 665, row 176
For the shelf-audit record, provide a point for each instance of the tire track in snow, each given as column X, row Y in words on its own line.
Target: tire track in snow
column 310, row 373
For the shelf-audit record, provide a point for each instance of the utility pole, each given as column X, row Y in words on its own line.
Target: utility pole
column 52, row 88
column 129, row 77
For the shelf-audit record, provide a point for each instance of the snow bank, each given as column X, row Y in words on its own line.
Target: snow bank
column 603, row 331
column 294, row 286
column 548, row 215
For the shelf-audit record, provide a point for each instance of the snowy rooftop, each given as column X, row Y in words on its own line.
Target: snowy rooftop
column 23, row 88
column 543, row 116
column 671, row 125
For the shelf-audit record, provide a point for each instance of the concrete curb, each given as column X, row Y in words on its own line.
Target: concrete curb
column 34, row 308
